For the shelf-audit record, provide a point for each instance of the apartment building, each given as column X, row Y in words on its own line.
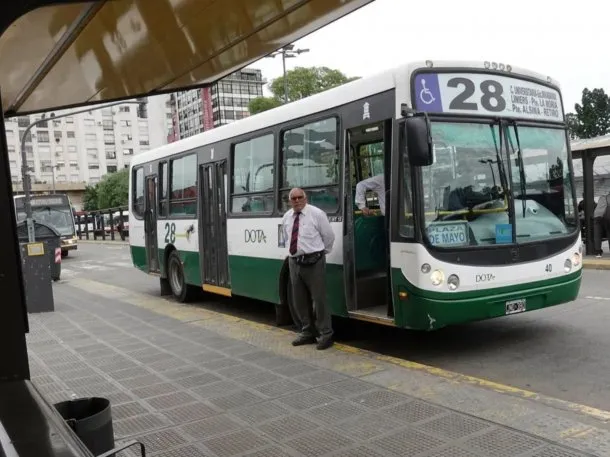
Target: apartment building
column 198, row 110
column 70, row 152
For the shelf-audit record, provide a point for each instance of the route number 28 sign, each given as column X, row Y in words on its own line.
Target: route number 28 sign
column 486, row 94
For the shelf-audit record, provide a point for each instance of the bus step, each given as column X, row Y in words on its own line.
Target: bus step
column 377, row 313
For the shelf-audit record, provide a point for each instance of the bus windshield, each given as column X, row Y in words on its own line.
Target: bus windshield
column 479, row 169
column 55, row 211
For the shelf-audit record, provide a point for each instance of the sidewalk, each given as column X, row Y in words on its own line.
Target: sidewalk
column 191, row 382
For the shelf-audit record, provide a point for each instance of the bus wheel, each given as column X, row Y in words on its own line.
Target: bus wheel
column 175, row 274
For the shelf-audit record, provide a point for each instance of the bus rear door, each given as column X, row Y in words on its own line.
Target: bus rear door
column 213, row 223
column 150, row 225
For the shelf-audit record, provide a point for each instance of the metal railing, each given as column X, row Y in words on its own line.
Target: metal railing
column 103, row 224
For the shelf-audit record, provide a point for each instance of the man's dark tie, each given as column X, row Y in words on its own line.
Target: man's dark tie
column 295, row 234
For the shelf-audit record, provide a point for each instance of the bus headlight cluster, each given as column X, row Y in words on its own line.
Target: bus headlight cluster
column 567, row 265
column 576, row 259
column 437, row 277
column 425, row 268
column 453, row 282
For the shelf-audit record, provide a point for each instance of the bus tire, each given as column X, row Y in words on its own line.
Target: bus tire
column 175, row 275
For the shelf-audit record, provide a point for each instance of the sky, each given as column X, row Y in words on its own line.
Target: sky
column 565, row 40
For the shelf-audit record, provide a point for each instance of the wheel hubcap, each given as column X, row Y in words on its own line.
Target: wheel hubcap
column 175, row 277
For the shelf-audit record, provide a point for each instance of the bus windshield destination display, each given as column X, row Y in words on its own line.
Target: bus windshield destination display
column 454, row 233
column 486, row 94
column 48, row 201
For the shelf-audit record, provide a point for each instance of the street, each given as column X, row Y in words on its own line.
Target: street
column 559, row 352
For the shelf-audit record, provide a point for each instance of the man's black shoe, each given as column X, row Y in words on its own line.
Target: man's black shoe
column 324, row 343
column 303, row 339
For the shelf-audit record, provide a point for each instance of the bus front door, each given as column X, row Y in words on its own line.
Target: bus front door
column 365, row 233
column 214, row 256
column 150, row 225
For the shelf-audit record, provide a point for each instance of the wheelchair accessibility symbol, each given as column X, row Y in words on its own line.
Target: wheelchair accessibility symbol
column 425, row 95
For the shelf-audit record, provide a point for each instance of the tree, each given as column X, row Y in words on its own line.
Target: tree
column 592, row 117
column 572, row 122
column 90, row 198
column 260, row 104
column 302, row 82
column 306, row 81
column 113, row 190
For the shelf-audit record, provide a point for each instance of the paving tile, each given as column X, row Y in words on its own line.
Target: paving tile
column 188, row 392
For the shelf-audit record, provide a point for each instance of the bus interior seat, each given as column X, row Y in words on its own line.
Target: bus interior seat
column 370, row 244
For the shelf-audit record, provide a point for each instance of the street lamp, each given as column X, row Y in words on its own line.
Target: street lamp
column 25, row 177
column 287, row 52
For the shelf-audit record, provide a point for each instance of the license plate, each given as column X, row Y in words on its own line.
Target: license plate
column 515, row 306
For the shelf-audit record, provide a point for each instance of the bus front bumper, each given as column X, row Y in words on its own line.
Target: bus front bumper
column 421, row 312
column 69, row 244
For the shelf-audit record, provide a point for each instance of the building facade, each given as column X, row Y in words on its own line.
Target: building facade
column 197, row 110
column 71, row 152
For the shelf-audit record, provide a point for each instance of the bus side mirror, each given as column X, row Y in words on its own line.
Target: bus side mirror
column 419, row 140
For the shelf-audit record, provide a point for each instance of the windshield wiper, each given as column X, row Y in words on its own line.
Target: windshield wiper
column 501, row 169
column 521, row 167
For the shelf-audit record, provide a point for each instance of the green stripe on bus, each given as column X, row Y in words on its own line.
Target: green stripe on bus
column 190, row 262
column 258, row 278
column 138, row 257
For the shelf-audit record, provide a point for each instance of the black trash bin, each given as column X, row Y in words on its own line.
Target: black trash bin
column 91, row 420
column 52, row 240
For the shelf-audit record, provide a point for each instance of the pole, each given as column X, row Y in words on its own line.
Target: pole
column 27, row 184
column 285, row 80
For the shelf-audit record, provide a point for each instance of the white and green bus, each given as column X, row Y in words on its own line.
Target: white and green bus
column 480, row 216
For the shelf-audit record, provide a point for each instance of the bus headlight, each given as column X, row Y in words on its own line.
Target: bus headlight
column 425, row 268
column 576, row 259
column 453, row 282
column 567, row 265
column 437, row 277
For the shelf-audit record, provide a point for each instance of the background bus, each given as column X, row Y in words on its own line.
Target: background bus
column 480, row 217
column 55, row 210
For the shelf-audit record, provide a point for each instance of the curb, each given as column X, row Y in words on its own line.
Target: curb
column 596, row 264
column 110, row 242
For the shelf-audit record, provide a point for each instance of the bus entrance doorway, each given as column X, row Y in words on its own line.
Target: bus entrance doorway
column 366, row 243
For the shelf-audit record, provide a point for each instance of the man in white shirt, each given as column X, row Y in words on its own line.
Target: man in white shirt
column 375, row 184
column 309, row 237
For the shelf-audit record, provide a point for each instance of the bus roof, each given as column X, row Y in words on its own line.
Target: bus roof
column 66, row 53
column 352, row 91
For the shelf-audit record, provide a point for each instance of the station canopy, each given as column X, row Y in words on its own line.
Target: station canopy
column 59, row 53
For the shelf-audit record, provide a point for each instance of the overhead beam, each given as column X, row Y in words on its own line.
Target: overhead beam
column 241, row 39
column 56, row 53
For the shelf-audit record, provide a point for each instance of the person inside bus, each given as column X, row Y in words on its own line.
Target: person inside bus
column 375, row 184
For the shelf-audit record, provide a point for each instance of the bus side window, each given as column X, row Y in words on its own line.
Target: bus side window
column 138, row 193
column 370, row 163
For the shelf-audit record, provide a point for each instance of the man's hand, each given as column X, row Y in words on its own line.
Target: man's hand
column 366, row 211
